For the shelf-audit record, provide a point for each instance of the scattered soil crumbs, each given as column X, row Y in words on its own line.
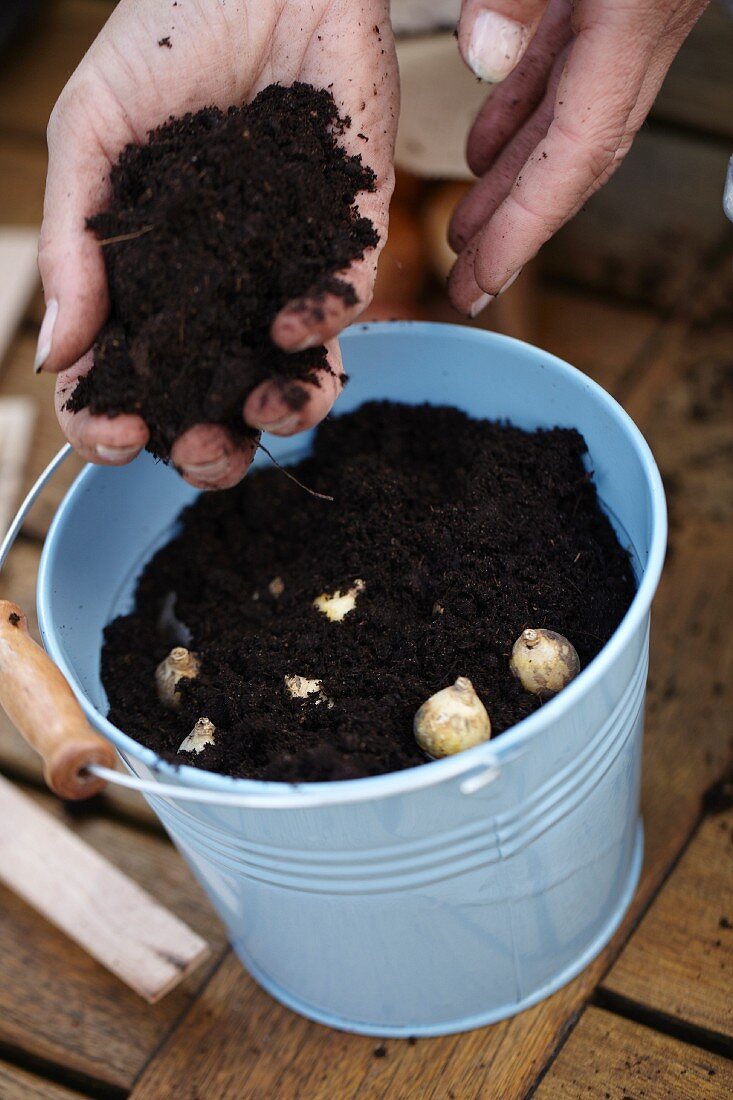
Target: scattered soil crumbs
column 464, row 531
column 213, row 226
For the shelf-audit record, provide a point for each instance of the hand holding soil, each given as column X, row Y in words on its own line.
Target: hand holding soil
column 576, row 82
column 127, row 85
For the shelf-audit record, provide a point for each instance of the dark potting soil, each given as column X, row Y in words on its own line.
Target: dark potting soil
column 463, row 531
column 213, row 226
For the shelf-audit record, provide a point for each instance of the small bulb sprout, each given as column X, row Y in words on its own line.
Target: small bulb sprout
column 337, row 607
column 301, row 688
column 200, row 736
column 544, row 661
column 452, row 720
column 180, row 664
column 276, row 587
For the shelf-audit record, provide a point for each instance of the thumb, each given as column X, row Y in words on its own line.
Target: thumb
column 69, row 257
column 493, row 35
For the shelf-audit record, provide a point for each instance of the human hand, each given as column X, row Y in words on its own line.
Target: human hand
column 126, row 85
column 575, row 82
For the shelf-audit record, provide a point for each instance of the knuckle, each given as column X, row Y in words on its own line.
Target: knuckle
column 595, row 152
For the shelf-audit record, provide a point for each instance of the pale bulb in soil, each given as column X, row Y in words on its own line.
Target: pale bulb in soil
column 180, row 664
column 337, row 607
column 452, row 720
column 200, row 736
column 299, row 687
column 544, row 661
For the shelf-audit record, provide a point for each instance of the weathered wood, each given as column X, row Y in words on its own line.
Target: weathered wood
column 685, row 396
column 18, row 279
column 19, row 1084
column 652, row 225
column 607, row 1056
column 35, row 72
column 89, row 899
column 699, row 87
column 22, row 178
column 17, row 417
column 57, row 1003
column 18, row 379
column 598, row 337
column 679, row 963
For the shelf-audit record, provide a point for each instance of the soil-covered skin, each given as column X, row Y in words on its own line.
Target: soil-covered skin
column 464, row 531
column 213, row 226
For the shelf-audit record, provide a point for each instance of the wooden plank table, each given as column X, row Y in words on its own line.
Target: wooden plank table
column 652, row 1017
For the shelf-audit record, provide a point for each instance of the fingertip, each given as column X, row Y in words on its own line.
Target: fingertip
column 114, row 441
column 490, row 43
column 77, row 301
column 207, row 457
column 464, row 293
column 297, row 406
column 308, row 322
column 273, row 402
column 297, row 327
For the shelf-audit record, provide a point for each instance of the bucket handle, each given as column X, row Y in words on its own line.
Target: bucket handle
column 36, row 696
column 78, row 762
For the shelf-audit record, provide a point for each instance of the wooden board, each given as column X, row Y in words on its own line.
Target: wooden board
column 615, row 1059
column 59, row 1005
column 686, row 391
column 699, row 87
column 605, row 340
column 19, row 1084
column 653, row 225
column 679, row 963
column 18, row 379
column 22, row 179
column 17, row 417
column 92, row 902
column 18, row 279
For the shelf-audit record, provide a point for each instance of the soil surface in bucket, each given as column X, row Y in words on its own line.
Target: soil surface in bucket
column 463, row 533
column 209, row 232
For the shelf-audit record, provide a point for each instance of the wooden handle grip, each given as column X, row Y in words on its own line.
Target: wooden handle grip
column 36, row 697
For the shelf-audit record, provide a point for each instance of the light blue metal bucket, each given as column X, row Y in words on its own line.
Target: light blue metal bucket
column 447, row 896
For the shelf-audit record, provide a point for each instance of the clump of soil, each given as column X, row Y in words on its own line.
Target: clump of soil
column 214, row 225
column 464, row 531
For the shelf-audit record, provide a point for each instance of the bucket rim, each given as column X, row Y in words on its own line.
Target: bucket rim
column 491, row 754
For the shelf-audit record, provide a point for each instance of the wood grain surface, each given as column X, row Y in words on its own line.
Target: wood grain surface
column 57, row 1004
column 610, row 1058
column 19, row 1084
column 679, row 963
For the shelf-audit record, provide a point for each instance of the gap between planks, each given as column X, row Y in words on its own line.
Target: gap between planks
column 612, row 1058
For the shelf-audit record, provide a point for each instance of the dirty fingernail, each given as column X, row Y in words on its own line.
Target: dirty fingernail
column 45, row 336
column 479, row 304
column 282, row 426
column 208, row 471
column 495, row 46
column 510, row 282
column 309, row 342
column 116, row 454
